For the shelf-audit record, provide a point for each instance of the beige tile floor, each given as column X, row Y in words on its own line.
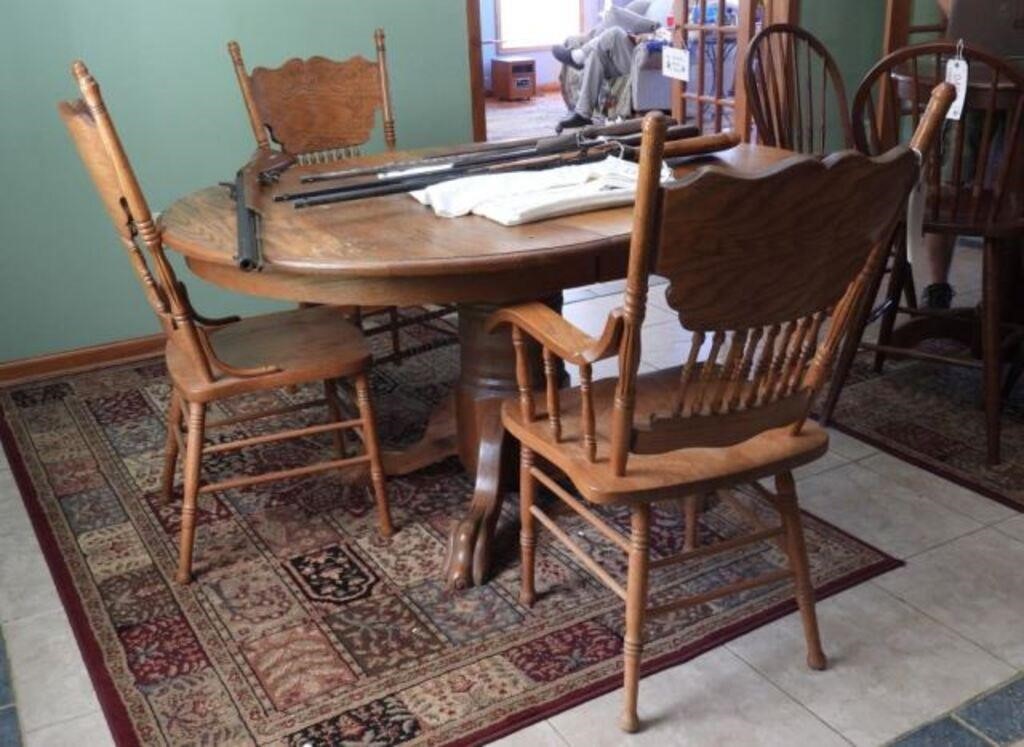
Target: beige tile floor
column 904, row 648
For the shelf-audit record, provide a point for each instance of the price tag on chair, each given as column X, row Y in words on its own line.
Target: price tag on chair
column 675, row 63
column 957, row 75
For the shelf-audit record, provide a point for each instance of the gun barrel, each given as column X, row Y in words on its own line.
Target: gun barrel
column 477, row 151
column 248, row 256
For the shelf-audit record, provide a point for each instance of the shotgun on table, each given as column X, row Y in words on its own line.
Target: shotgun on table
column 545, row 153
column 264, row 168
column 466, row 154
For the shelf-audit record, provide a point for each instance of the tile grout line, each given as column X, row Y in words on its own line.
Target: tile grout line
column 970, row 727
column 560, row 734
column 945, row 480
column 58, row 722
column 765, row 676
column 955, row 632
column 790, row 696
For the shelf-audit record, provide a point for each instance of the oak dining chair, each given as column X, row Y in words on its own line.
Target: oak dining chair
column 324, row 111
column 211, row 360
column 795, row 92
column 759, row 268
column 973, row 186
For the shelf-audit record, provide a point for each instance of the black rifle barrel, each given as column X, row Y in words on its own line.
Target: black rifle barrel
column 565, row 144
column 423, row 181
column 249, row 257
column 469, row 153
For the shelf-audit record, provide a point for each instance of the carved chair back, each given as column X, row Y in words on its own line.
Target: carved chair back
column 975, row 179
column 318, row 109
column 795, row 91
column 757, row 265
column 93, row 132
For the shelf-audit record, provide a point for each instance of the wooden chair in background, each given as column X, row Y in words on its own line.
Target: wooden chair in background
column 757, row 268
column 322, row 111
column 212, row 360
column 974, row 186
column 795, row 92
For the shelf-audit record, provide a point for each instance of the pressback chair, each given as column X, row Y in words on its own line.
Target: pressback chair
column 209, row 360
column 795, row 91
column 757, row 265
column 973, row 185
column 322, row 111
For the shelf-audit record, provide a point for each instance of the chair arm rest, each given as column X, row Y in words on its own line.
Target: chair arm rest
column 560, row 336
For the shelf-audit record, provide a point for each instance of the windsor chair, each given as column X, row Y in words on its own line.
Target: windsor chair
column 757, row 265
column 321, row 110
column 210, row 360
column 795, row 91
column 973, row 186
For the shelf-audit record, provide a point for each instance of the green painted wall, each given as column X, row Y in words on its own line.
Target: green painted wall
column 852, row 31
column 168, row 81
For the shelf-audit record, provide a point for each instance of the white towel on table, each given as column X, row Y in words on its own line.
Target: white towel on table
column 518, row 197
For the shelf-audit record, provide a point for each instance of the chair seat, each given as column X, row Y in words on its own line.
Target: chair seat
column 657, row 476
column 309, row 344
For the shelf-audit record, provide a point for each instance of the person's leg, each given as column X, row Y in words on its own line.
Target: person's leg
column 938, row 256
column 608, row 55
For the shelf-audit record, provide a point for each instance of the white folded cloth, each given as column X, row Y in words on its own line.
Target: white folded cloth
column 517, row 197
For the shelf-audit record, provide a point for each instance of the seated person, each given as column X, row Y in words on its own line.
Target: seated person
column 608, row 53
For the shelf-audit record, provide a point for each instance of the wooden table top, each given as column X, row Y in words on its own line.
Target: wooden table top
column 396, row 237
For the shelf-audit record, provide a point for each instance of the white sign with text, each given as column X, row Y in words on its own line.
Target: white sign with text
column 675, row 63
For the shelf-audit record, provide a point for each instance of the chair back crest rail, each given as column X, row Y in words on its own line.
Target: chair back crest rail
column 318, row 109
column 97, row 141
column 765, row 272
column 794, row 90
column 974, row 179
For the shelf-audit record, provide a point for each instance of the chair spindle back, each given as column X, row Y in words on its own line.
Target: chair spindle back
column 318, row 109
column 93, row 132
column 757, row 265
column 975, row 179
column 795, row 90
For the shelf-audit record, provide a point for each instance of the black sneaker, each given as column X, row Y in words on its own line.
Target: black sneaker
column 572, row 122
column 937, row 296
column 564, row 55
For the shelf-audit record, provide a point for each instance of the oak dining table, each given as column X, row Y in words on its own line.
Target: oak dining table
column 393, row 251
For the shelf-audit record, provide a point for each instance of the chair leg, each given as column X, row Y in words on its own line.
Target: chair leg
column 527, row 533
column 636, row 605
column 897, row 281
column 373, row 450
column 171, row 447
column 196, row 424
column 796, row 549
column 692, row 506
column 991, row 340
column 334, row 408
column 396, row 340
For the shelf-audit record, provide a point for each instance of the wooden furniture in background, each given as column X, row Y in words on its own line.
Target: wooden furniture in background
column 794, row 90
column 722, row 105
column 970, row 191
column 209, row 360
column 900, row 28
column 513, row 78
column 754, row 286
column 359, row 252
column 323, row 111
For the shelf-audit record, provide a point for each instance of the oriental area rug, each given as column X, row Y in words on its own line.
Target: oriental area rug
column 302, row 626
column 931, row 415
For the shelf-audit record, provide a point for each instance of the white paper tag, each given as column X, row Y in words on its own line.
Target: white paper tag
column 957, row 75
column 675, row 63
